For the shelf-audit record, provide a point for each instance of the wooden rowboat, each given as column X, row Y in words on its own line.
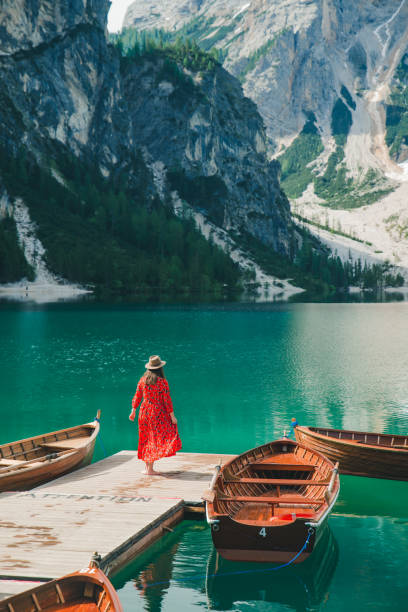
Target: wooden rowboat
column 301, row 587
column 359, row 453
column 87, row 590
column 30, row 462
column 271, row 503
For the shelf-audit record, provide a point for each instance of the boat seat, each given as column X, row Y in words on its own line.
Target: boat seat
column 279, row 481
column 284, row 467
column 286, row 499
column 65, row 444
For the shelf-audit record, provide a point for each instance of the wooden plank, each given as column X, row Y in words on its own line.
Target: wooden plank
column 279, row 481
column 284, row 467
column 108, row 506
column 287, row 499
column 66, row 443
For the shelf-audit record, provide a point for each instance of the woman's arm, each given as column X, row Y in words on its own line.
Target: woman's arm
column 168, row 404
column 137, row 398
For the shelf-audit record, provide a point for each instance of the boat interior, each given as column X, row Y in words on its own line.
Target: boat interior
column 26, row 453
column 67, row 595
column 362, row 437
column 274, row 485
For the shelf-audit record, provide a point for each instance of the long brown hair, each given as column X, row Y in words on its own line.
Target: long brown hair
column 151, row 376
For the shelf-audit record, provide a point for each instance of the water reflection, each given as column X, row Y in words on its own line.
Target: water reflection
column 298, row 587
column 185, row 568
column 154, row 580
column 351, row 372
column 372, row 497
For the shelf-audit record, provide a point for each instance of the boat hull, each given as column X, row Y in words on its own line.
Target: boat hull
column 33, row 477
column 271, row 503
column 301, row 587
column 236, row 541
column 356, row 459
column 88, row 590
column 62, row 459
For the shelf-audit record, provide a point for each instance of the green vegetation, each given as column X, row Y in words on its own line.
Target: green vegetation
column 399, row 225
column 330, row 229
column 178, row 55
column 278, row 265
column 333, row 182
column 296, row 175
column 114, row 236
column 117, row 238
column 202, row 192
column 397, row 111
column 317, row 270
column 331, row 270
column 341, row 192
column 333, row 186
column 199, row 31
column 254, row 58
column 136, row 45
column 13, row 264
column 341, row 121
column 207, row 35
column 131, row 41
column 184, row 45
column 197, row 28
column 219, row 34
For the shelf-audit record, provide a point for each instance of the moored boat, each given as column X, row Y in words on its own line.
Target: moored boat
column 87, row 590
column 270, row 504
column 301, row 587
column 359, row 453
column 27, row 463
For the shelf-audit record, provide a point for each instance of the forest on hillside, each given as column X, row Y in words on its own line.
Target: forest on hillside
column 120, row 237
column 104, row 233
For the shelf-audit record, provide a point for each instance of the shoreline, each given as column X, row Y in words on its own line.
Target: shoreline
column 41, row 292
column 252, row 294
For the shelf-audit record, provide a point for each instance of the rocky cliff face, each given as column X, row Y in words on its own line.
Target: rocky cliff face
column 211, row 141
column 63, row 87
column 294, row 56
column 61, row 81
column 329, row 78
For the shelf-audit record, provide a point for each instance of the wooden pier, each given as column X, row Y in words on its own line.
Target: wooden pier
column 109, row 507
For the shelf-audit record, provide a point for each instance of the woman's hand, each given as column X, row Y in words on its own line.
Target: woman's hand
column 173, row 419
column 132, row 415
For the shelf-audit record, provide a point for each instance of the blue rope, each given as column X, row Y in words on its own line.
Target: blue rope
column 101, row 444
column 257, row 571
column 99, row 440
column 293, row 424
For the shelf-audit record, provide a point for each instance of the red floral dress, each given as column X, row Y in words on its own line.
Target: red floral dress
column 158, row 436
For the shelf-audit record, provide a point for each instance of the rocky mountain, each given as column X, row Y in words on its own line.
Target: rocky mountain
column 70, row 101
column 329, row 78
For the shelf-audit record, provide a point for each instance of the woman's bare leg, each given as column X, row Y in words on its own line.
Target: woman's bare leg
column 149, row 469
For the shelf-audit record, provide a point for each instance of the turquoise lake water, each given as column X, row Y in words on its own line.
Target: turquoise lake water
column 237, row 376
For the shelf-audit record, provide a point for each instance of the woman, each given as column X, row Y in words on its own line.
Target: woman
column 158, row 435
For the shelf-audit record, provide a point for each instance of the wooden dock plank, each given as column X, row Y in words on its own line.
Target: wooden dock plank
column 43, row 542
column 109, row 507
column 185, row 476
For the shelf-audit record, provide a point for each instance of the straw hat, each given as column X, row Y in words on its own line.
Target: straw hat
column 154, row 363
